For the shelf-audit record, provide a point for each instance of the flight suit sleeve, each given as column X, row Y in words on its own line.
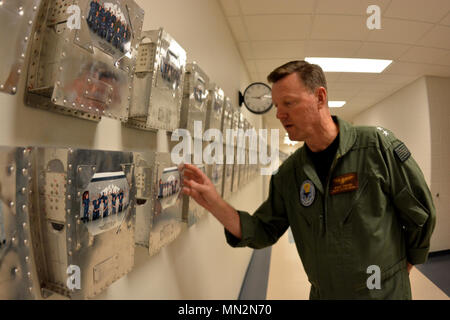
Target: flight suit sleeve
column 412, row 199
column 265, row 226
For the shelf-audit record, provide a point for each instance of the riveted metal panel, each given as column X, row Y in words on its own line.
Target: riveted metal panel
column 16, row 23
column 84, row 72
column 195, row 98
column 85, row 202
column 158, row 83
column 18, row 275
column 160, row 217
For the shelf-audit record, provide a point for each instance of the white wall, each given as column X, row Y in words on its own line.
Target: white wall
column 418, row 114
column 439, row 99
column 199, row 264
column 406, row 114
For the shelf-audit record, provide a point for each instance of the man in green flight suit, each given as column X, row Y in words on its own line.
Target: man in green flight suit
column 358, row 205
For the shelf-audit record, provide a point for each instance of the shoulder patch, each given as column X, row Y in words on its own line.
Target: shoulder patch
column 402, row 152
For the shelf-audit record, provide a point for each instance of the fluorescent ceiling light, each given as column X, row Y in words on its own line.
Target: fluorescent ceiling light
column 336, row 104
column 350, row 65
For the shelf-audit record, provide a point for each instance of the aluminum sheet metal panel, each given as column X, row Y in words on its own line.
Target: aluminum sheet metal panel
column 227, row 117
column 192, row 211
column 18, row 277
column 84, row 70
column 85, row 204
column 16, row 23
column 214, row 111
column 195, row 98
column 158, row 82
column 159, row 219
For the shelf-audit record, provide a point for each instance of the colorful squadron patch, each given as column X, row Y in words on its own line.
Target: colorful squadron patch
column 307, row 193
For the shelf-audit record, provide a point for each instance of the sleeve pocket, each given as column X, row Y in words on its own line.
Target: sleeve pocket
column 411, row 210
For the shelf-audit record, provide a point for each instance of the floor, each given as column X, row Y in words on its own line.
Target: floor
column 286, row 279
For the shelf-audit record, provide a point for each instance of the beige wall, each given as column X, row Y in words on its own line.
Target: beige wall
column 439, row 99
column 418, row 114
column 199, row 264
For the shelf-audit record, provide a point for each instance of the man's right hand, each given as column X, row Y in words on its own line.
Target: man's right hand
column 198, row 186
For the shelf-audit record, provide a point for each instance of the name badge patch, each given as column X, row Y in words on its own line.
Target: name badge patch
column 307, row 193
column 346, row 183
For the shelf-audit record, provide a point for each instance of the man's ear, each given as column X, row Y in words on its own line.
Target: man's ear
column 321, row 94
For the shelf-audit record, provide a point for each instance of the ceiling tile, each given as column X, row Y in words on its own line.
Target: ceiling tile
column 438, row 37
column 238, row 29
column 420, row 10
column 339, row 28
column 246, row 50
column 252, row 7
column 332, row 76
column 394, row 79
column 399, row 31
column 278, row 27
column 446, row 20
column 279, row 49
column 445, row 60
column 251, row 66
column 417, row 69
column 349, row 7
column 265, row 67
column 423, row 54
column 337, row 49
column 359, row 77
column 377, row 50
column 230, row 7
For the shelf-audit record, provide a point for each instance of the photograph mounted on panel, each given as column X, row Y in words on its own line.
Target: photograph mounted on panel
column 158, row 82
column 86, row 70
column 85, row 204
column 195, row 97
column 159, row 218
column 16, row 22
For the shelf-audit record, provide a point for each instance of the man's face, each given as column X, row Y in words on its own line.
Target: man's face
column 297, row 107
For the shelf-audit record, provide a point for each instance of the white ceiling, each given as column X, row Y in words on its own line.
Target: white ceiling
column 415, row 34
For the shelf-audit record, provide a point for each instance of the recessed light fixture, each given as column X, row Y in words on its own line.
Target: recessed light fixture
column 350, row 65
column 336, row 104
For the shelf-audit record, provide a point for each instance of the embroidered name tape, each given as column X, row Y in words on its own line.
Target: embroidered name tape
column 345, row 183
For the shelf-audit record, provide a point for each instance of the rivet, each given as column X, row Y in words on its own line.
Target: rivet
column 69, row 182
column 25, row 172
column 24, row 190
column 30, row 22
column 25, row 242
column 27, row 258
column 30, row 289
column 79, row 194
column 26, row 39
column 80, row 169
column 11, row 204
column 68, row 225
column 94, row 168
column 70, row 167
column 29, row 274
column 24, row 207
column 11, row 169
column 70, row 239
column 68, row 211
column 60, row 68
column 70, row 253
column 22, row 55
column 69, row 197
column 19, row 71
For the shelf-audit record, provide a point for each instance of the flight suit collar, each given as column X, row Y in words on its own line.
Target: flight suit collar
column 347, row 138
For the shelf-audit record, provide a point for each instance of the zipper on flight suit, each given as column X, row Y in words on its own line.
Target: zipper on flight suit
column 323, row 225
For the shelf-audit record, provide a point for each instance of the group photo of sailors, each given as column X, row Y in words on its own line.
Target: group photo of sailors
column 104, row 22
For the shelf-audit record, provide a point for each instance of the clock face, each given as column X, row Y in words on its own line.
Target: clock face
column 258, row 98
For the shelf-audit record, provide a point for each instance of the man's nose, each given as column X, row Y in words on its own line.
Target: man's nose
column 281, row 114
